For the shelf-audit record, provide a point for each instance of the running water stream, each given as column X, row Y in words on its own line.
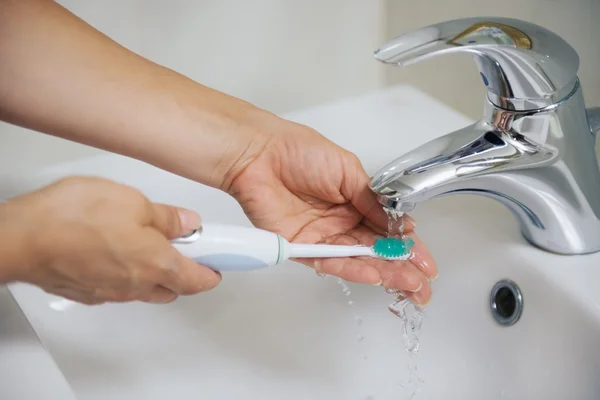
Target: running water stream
column 410, row 314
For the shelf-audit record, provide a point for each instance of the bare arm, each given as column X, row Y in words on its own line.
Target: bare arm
column 60, row 76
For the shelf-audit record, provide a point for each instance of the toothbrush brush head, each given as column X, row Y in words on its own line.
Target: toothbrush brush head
column 393, row 248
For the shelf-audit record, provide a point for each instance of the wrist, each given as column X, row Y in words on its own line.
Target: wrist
column 206, row 135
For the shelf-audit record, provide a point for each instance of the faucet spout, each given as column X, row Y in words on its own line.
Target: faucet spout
column 450, row 163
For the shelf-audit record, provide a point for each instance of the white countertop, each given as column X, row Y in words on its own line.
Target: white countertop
column 27, row 370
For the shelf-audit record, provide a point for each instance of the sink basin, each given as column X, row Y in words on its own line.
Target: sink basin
column 285, row 333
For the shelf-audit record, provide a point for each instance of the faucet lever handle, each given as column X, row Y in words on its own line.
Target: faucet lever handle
column 523, row 66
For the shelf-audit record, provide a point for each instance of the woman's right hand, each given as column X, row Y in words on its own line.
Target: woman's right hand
column 92, row 240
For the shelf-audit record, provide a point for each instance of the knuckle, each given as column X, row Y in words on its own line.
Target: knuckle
column 161, row 264
column 164, row 299
column 159, row 295
column 167, row 299
column 172, row 223
column 165, row 258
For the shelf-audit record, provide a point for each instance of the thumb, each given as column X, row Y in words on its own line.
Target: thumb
column 174, row 222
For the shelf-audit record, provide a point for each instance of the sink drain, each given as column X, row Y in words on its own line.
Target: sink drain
column 506, row 302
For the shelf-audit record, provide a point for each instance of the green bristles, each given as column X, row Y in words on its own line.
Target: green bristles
column 392, row 248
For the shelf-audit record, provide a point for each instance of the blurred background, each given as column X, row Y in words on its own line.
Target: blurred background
column 284, row 55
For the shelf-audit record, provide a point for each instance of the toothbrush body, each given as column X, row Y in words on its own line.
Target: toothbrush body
column 237, row 248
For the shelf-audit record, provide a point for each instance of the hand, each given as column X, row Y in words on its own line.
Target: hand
column 310, row 190
column 93, row 241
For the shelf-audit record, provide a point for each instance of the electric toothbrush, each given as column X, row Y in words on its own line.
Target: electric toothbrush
column 238, row 248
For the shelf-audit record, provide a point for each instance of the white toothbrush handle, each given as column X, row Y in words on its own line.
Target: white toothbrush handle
column 231, row 248
column 237, row 248
column 327, row 251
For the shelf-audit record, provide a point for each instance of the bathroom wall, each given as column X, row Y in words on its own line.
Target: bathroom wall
column 287, row 54
column 278, row 54
column 454, row 79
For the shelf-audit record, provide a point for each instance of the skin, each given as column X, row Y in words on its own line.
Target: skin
column 96, row 241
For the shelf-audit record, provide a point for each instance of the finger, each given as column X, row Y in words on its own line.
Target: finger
column 365, row 201
column 161, row 264
column 349, row 269
column 401, row 275
column 184, row 276
column 422, row 258
column 421, row 297
column 173, row 222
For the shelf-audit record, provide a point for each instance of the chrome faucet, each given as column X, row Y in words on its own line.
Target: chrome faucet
column 533, row 150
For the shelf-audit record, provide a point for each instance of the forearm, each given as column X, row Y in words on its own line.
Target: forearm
column 60, row 76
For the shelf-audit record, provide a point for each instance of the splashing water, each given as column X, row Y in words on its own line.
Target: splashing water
column 410, row 314
column 357, row 319
column 346, row 291
column 412, row 319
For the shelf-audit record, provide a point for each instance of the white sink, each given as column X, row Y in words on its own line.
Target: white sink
column 285, row 333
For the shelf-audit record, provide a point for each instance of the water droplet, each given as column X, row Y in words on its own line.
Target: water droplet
column 351, row 303
column 360, row 338
column 358, row 320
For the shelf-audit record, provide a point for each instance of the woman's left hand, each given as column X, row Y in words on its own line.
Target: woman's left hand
column 309, row 190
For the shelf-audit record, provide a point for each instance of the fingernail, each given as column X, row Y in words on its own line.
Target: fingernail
column 317, row 268
column 378, row 283
column 435, row 278
column 423, row 263
column 418, row 300
column 190, row 220
column 317, row 265
column 417, row 289
column 373, row 276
